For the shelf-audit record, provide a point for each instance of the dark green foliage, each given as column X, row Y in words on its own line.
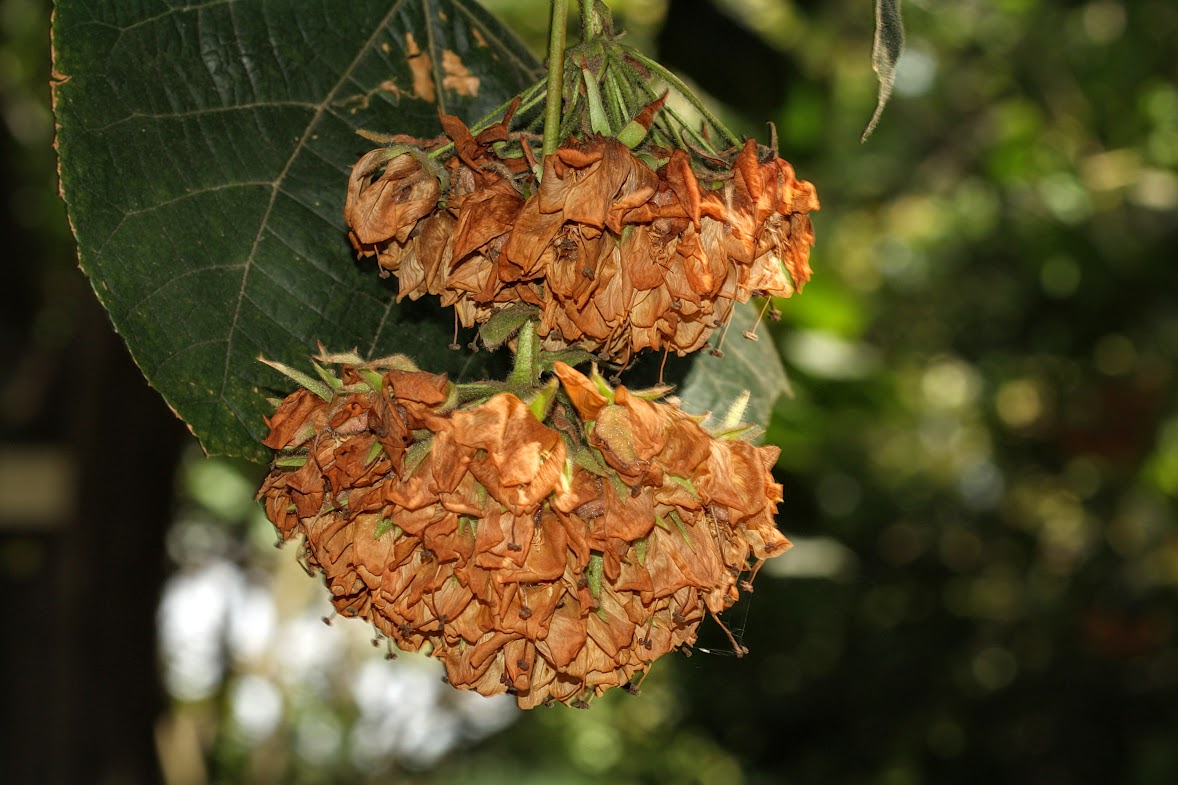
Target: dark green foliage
column 204, row 155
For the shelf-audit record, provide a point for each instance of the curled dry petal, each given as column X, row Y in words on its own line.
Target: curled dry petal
column 390, row 204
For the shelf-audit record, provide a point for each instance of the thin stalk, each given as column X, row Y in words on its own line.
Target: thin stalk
column 591, row 23
column 586, row 20
column 676, row 124
column 616, row 103
column 529, row 98
column 525, row 373
column 677, row 83
column 568, row 125
column 556, row 41
column 685, row 127
column 620, row 77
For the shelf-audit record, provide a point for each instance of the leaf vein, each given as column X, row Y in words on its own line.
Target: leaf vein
column 299, row 146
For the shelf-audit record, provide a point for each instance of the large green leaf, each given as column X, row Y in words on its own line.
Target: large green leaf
column 204, row 148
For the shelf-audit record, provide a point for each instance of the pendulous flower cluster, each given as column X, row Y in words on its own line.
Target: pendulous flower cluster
column 550, row 549
column 620, row 251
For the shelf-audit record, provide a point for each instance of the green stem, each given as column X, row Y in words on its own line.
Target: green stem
column 524, row 372
column 620, row 98
column 529, row 98
column 594, row 20
column 685, row 91
column 685, row 128
column 556, row 39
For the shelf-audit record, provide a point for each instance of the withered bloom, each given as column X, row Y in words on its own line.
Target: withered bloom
column 619, row 256
column 549, row 559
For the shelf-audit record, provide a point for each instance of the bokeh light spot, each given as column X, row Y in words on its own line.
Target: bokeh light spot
column 1019, row 403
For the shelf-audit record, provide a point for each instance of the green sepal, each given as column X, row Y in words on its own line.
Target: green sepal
column 541, row 403
column 468, row 392
column 598, row 120
column 587, row 458
column 303, row 436
column 355, row 387
column 658, row 392
column 339, row 358
column 332, row 381
column 525, row 373
column 640, row 551
column 290, row 461
column 572, row 357
column 633, row 134
column 652, row 161
column 505, row 150
column 740, row 433
column 394, row 362
column 303, row 380
column 386, row 525
column 416, row 454
column 452, row 399
column 620, row 488
column 570, row 468
column 374, row 379
column 684, row 482
column 682, row 529
column 594, row 572
column 735, row 413
column 601, row 384
column 373, row 453
column 503, row 324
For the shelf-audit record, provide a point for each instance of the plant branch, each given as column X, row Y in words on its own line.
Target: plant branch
column 677, row 83
column 552, row 105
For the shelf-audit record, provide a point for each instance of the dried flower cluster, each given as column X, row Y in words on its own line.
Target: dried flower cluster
column 618, row 256
column 550, row 559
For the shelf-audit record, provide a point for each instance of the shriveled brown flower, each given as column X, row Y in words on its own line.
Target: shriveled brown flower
column 618, row 256
column 549, row 559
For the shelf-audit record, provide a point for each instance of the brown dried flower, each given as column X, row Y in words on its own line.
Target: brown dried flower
column 549, row 559
column 618, row 256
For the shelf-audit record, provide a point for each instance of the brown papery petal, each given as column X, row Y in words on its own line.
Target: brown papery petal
column 291, row 417
column 486, row 214
column 389, row 206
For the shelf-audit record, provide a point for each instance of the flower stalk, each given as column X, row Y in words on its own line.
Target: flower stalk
column 556, row 57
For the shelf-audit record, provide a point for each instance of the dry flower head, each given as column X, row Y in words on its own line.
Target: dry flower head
column 617, row 254
column 549, row 559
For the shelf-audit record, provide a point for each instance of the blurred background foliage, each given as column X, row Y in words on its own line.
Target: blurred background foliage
column 980, row 455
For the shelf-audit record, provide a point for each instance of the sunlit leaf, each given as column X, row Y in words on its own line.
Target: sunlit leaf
column 204, row 150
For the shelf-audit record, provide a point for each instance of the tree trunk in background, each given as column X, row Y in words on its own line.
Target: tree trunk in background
column 103, row 683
